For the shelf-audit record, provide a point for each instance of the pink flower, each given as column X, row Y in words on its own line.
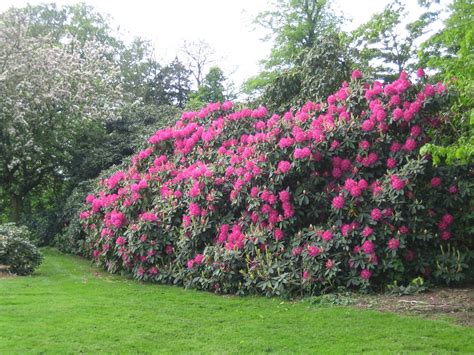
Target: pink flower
column 327, row 235
column 395, row 147
column 391, row 163
column 285, row 142
column 149, row 217
column 393, row 244
column 368, row 125
column 366, row 274
column 278, row 234
column 120, row 241
column 345, row 229
column 117, row 219
column 297, row 251
column 410, row 144
column 420, row 73
column 169, row 249
column 84, row 215
column 284, row 166
column 190, row 263
column 186, row 221
column 301, row 153
column 445, row 221
column 367, row 232
column 338, row 202
column 153, row 270
column 284, row 196
column 143, row 184
column 199, row 258
column 376, row 214
column 364, row 145
column 397, row 183
column 194, row 209
column 415, row 131
column 329, row 264
column 356, row 74
column 305, row 275
column 404, row 230
column 453, row 189
column 397, row 114
column 368, row 247
column 227, row 105
column 436, row 181
column 446, row 235
column 313, row 251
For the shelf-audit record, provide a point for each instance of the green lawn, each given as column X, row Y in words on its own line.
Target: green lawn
column 70, row 306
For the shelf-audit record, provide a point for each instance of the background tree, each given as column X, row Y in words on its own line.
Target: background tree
column 177, row 83
column 212, row 89
column 97, row 141
column 198, row 55
column 450, row 54
column 293, row 25
column 318, row 72
column 386, row 45
column 48, row 97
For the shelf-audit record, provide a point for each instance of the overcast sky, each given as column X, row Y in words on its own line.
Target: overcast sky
column 225, row 24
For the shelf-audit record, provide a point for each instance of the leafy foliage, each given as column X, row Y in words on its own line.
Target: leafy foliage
column 450, row 53
column 317, row 72
column 11, row 230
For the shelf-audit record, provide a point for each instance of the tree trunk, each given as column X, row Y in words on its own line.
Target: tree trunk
column 16, row 205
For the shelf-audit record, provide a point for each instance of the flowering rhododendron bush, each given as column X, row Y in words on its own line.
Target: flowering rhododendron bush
column 332, row 194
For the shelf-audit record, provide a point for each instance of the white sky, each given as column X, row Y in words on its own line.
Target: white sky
column 225, row 24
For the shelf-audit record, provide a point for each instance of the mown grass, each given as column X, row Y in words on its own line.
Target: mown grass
column 70, row 306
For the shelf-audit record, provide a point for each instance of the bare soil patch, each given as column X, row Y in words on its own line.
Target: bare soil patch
column 4, row 273
column 457, row 303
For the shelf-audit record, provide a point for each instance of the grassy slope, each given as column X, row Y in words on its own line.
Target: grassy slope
column 69, row 306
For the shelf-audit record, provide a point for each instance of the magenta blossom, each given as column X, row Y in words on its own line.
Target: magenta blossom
column 393, row 244
column 338, row 202
column 365, row 274
column 284, row 166
column 368, row 247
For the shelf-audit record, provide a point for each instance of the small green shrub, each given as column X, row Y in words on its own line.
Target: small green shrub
column 18, row 253
column 13, row 230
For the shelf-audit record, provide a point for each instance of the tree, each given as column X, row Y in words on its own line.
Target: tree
column 79, row 22
column 450, row 53
column 293, row 25
column 48, row 95
column 176, row 82
column 317, row 72
column 382, row 48
column 198, row 55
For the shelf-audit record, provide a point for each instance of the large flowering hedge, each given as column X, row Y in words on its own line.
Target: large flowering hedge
column 332, row 194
